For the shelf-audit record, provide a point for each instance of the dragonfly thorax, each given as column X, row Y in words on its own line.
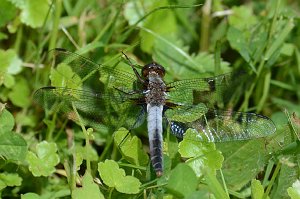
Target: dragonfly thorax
column 156, row 90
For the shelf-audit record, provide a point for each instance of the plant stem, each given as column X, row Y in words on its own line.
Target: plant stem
column 87, row 140
column 55, row 26
column 204, row 40
column 275, row 174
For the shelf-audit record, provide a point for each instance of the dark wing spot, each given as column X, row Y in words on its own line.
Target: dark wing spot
column 212, row 84
column 239, row 118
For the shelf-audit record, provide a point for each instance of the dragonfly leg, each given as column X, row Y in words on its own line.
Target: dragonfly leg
column 134, row 70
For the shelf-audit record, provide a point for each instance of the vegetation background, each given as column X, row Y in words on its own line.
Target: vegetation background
column 45, row 156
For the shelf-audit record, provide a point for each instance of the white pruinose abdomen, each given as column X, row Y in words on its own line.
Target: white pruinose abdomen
column 155, row 130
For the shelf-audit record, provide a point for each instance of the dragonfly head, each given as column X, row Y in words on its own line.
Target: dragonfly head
column 153, row 68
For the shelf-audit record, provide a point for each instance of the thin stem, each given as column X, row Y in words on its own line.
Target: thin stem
column 275, row 174
column 55, row 26
column 87, row 140
column 206, row 18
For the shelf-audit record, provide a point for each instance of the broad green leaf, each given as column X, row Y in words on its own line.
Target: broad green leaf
column 182, row 181
column 241, row 15
column 34, row 12
column 115, row 177
column 131, row 147
column 63, row 76
column 258, row 44
column 208, row 62
column 248, row 156
column 10, row 62
column 238, row 42
column 294, row 191
column 133, row 11
column 7, row 121
column 83, row 152
column 89, row 189
column 110, row 173
column 288, row 49
column 257, row 190
column 8, row 12
column 31, row 196
column 8, row 80
column 128, row 185
column 166, row 25
column 12, row 145
column 43, row 162
column 21, row 99
column 200, row 154
column 9, row 180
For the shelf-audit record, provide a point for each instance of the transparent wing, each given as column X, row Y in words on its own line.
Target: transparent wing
column 117, row 104
column 211, row 91
column 88, row 71
column 192, row 104
column 221, row 126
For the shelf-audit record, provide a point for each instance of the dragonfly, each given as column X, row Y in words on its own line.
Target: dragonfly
column 109, row 95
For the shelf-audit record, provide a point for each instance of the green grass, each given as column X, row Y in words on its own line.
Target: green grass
column 45, row 155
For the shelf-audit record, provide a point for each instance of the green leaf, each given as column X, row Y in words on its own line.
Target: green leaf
column 133, row 11
column 31, row 196
column 63, row 76
column 8, row 80
column 82, row 152
column 44, row 161
column 287, row 175
column 7, row 121
column 241, row 15
column 250, row 156
column 89, row 189
column 238, row 42
column 115, row 177
column 10, row 64
column 214, row 185
column 182, row 181
column 8, row 12
column 257, row 190
column 12, row 145
column 288, row 49
column 294, row 191
column 131, row 147
column 166, row 25
column 34, row 12
column 26, row 119
column 201, row 154
column 279, row 40
column 9, row 180
column 21, row 99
